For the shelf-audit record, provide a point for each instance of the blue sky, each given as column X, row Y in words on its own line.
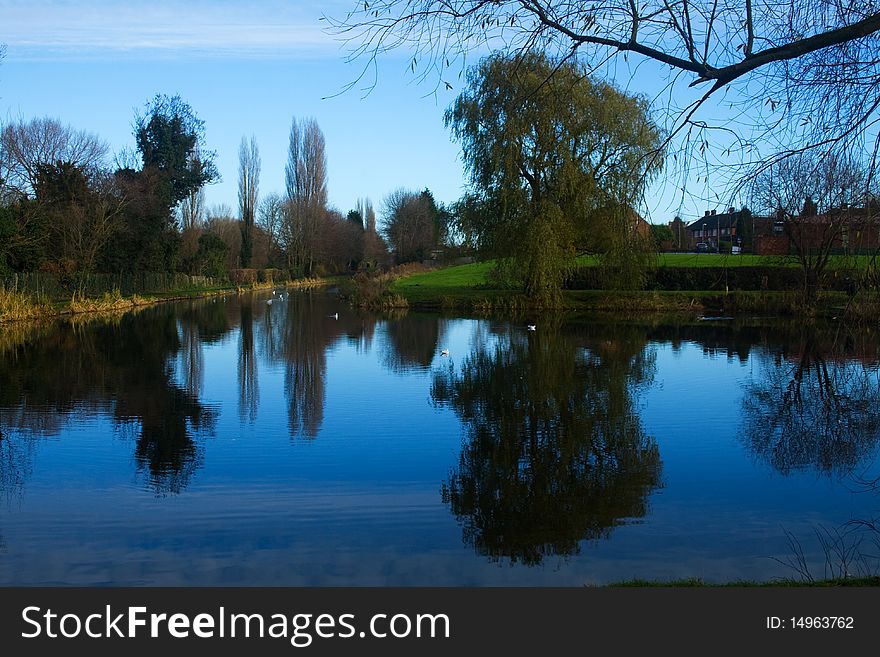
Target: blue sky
column 245, row 68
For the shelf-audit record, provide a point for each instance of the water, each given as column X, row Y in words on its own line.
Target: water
column 236, row 442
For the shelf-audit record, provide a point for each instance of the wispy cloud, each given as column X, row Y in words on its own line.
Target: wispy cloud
column 49, row 29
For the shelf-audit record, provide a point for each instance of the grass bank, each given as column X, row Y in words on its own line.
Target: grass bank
column 20, row 306
column 468, row 288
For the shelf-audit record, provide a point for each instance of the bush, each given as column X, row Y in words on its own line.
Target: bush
column 242, row 276
column 270, row 275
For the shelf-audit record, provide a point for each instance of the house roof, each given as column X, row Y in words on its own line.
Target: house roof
column 712, row 221
column 848, row 215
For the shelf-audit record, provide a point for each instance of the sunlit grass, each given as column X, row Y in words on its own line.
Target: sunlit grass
column 16, row 306
column 476, row 275
column 458, row 276
column 109, row 301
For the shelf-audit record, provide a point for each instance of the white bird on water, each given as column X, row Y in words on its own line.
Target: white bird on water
column 445, row 352
column 269, row 302
column 530, row 327
column 335, row 315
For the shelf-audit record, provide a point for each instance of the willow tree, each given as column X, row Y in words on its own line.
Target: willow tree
column 745, row 83
column 554, row 153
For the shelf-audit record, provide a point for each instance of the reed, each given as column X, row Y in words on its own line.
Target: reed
column 17, row 306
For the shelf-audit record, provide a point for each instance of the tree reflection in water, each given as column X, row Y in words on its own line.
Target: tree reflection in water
column 412, row 342
column 815, row 404
column 555, row 452
column 119, row 367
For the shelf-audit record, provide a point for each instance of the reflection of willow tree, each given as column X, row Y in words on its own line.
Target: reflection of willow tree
column 121, row 368
column 412, row 341
column 555, row 451
column 817, row 407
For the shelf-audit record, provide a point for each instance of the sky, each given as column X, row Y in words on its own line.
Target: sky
column 246, row 68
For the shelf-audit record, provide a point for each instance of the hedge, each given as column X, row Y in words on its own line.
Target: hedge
column 715, row 278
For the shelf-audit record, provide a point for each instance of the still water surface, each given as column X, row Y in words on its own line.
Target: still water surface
column 239, row 442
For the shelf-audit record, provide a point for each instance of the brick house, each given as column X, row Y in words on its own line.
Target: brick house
column 842, row 230
column 733, row 226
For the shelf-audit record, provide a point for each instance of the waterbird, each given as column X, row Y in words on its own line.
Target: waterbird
column 530, row 327
column 335, row 315
column 269, row 302
column 445, row 352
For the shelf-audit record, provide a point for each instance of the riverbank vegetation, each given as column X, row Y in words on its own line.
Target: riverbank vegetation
column 678, row 283
column 79, row 234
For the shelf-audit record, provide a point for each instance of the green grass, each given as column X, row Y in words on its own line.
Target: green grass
column 449, row 278
column 457, row 279
column 461, row 277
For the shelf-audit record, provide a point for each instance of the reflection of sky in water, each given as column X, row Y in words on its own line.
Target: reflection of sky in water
column 359, row 504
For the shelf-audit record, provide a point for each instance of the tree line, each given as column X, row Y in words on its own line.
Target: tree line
column 66, row 209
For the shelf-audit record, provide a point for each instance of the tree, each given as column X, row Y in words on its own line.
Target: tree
column 375, row 251
column 306, row 184
column 556, row 156
column 211, row 256
column 26, row 145
column 175, row 166
column 223, row 224
column 661, row 236
column 271, row 220
column 82, row 217
column 797, row 189
column 409, row 224
column 803, row 74
column 341, row 242
column 170, row 138
column 248, row 188
column 191, row 210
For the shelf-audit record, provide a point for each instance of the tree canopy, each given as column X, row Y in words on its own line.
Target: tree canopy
column 169, row 137
column 554, row 154
column 802, row 75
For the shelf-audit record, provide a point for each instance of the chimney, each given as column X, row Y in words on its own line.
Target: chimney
column 707, row 214
column 713, row 213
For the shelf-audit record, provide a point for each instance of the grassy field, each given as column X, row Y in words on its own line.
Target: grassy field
column 460, row 277
column 466, row 287
column 448, row 278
